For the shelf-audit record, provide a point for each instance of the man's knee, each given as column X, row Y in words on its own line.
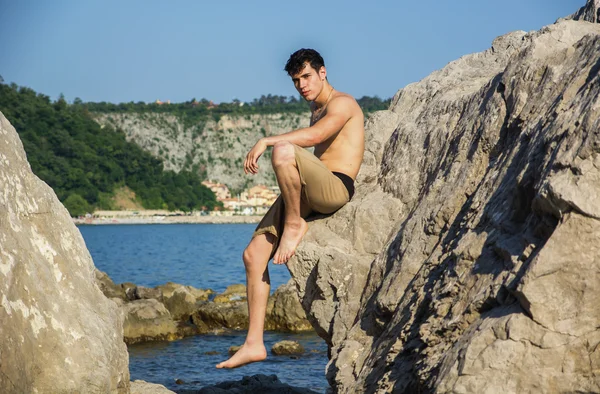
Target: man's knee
column 283, row 153
column 249, row 258
column 257, row 253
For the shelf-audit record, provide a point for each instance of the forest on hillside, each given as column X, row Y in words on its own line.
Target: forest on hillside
column 85, row 164
column 195, row 111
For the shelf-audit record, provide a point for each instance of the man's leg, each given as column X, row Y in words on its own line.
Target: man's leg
column 256, row 257
column 288, row 178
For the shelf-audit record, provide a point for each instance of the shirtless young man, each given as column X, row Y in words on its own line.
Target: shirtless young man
column 322, row 182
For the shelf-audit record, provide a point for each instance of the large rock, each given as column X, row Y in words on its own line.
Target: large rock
column 169, row 288
column 142, row 387
column 181, row 304
column 108, row 287
column 214, row 316
column 230, row 310
column 284, row 311
column 148, row 320
column 262, row 384
column 284, row 348
column 232, row 293
column 468, row 260
column 590, row 12
column 59, row 333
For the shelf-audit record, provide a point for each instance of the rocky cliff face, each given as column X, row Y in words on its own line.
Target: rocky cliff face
column 219, row 147
column 590, row 12
column 59, row 334
column 469, row 258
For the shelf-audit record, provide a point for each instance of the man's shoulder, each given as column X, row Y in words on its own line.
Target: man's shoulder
column 341, row 96
column 344, row 101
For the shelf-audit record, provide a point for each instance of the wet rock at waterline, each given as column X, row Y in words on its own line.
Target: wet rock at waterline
column 232, row 293
column 174, row 311
column 284, row 311
column 142, row 387
column 233, row 350
column 264, row 384
column 148, row 320
column 283, row 348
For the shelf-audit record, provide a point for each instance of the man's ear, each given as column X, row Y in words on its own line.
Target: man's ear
column 322, row 73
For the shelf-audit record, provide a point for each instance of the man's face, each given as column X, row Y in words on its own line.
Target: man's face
column 309, row 82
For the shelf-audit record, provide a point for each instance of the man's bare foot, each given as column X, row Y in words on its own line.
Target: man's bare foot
column 246, row 355
column 291, row 237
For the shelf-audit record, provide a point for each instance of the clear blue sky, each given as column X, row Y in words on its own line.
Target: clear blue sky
column 143, row 50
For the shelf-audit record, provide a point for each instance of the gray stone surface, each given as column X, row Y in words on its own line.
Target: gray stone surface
column 169, row 288
column 213, row 316
column 143, row 387
column 286, row 347
column 263, row 384
column 590, row 12
column 59, row 333
column 148, row 320
column 108, row 287
column 232, row 293
column 173, row 311
column 284, row 311
column 468, row 260
column 181, row 304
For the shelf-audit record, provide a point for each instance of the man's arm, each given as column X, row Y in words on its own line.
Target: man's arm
column 338, row 113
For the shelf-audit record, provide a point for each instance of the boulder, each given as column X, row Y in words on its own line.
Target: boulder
column 283, row 348
column 216, row 316
column 169, row 288
column 146, row 293
column 590, row 12
column 108, row 287
column 148, row 320
column 255, row 384
column 233, row 350
column 181, row 304
column 142, row 387
column 130, row 291
column 59, row 333
column 284, row 311
column 233, row 293
column 467, row 260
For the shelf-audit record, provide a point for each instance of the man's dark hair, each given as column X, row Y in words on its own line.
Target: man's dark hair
column 298, row 59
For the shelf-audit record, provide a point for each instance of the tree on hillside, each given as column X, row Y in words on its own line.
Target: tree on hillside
column 85, row 163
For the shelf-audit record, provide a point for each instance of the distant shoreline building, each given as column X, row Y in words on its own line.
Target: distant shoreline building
column 254, row 201
column 221, row 190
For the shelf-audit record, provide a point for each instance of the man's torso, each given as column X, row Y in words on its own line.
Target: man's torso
column 343, row 152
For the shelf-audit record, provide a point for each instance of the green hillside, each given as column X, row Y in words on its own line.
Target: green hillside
column 85, row 163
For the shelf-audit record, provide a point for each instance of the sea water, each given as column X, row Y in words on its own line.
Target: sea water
column 205, row 256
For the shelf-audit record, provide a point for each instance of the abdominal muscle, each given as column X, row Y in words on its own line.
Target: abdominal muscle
column 341, row 155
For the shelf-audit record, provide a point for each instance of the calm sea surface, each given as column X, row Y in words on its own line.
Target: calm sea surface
column 203, row 256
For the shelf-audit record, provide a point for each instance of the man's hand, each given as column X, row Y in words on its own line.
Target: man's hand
column 251, row 163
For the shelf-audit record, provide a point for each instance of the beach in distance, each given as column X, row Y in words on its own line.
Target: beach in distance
column 163, row 217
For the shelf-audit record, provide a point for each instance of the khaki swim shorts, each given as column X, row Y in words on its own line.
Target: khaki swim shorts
column 322, row 191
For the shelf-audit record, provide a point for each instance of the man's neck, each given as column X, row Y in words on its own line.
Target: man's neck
column 324, row 96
